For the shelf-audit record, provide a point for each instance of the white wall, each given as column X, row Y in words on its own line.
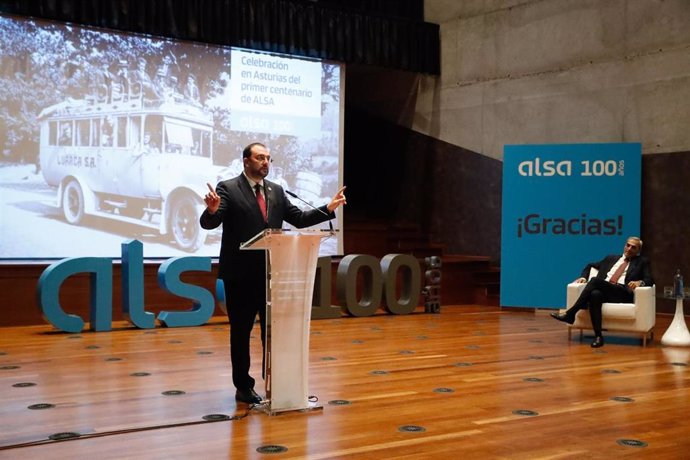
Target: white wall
column 537, row 71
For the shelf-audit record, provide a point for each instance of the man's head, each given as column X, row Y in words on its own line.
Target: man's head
column 632, row 247
column 256, row 159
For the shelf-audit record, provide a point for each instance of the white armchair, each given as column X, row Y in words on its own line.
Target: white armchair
column 637, row 317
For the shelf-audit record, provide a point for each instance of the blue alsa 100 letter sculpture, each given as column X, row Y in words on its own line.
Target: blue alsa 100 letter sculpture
column 100, row 270
column 379, row 280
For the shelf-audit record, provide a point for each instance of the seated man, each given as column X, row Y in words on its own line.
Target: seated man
column 618, row 277
column 65, row 135
column 149, row 146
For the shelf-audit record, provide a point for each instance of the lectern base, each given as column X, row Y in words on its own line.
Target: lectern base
column 312, row 407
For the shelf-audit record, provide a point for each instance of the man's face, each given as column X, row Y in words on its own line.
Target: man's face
column 631, row 249
column 256, row 165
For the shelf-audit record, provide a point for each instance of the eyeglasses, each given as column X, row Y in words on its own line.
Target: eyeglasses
column 628, row 245
column 262, row 158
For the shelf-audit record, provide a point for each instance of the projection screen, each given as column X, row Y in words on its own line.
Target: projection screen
column 108, row 136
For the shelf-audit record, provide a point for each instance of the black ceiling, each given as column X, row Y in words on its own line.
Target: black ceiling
column 383, row 33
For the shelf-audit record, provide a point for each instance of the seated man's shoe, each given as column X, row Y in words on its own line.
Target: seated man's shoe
column 248, row 396
column 563, row 317
column 598, row 342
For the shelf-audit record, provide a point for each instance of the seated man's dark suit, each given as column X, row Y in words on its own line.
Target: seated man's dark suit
column 599, row 291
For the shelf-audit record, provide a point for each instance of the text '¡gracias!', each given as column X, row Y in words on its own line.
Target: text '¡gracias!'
column 535, row 224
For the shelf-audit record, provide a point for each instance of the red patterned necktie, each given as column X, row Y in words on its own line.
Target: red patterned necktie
column 619, row 271
column 261, row 201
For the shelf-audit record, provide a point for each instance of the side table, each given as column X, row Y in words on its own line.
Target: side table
column 677, row 333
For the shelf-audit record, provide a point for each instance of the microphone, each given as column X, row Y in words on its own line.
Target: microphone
column 330, row 224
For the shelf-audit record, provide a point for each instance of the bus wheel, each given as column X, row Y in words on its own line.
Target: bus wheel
column 184, row 223
column 73, row 202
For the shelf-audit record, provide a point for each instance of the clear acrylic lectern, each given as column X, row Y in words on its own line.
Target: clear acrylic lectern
column 291, row 258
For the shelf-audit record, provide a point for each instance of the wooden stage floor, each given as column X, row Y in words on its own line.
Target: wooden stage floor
column 471, row 382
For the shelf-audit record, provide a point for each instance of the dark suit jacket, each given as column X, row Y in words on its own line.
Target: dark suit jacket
column 639, row 269
column 241, row 218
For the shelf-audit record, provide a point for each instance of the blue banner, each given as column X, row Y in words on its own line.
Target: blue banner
column 564, row 205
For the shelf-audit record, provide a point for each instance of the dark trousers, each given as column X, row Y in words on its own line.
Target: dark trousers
column 596, row 292
column 244, row 301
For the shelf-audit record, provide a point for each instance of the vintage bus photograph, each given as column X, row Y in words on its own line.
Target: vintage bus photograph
column 119, row 142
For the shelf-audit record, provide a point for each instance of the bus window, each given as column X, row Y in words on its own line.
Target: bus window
column 52, row 133
column 65, row 133
column 121, row 132
column 153, row 126
column 107, row 131
column 178, row 138
column 83, row 138
column 95, row 130
column 206, row 143
column 135, row 131
column 196, row 149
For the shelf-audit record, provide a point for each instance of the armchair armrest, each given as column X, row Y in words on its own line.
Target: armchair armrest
column 574, row 291
column 644, row 294
column 645, row 305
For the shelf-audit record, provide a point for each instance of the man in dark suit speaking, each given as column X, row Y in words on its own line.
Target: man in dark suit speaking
column 246, row 205
column 616, row 280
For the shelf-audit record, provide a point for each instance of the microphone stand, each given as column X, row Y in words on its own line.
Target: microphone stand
column 330, row 224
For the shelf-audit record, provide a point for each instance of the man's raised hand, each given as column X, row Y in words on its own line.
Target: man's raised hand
column 337, row 200
column 211, row 199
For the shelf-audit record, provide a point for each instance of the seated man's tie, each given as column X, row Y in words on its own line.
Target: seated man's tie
column 619, row 271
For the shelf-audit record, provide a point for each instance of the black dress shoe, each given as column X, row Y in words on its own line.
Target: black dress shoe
column 563, row 317
column 598, row 342
column 248, row 396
